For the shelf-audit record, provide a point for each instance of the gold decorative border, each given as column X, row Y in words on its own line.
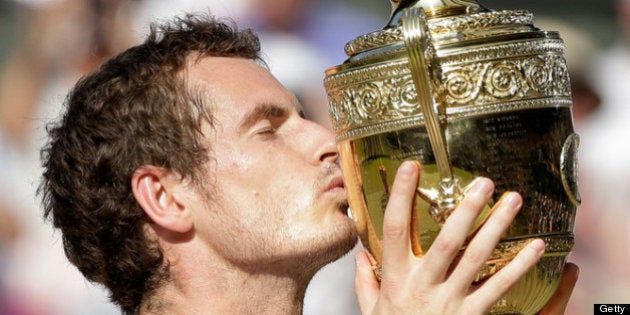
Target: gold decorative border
column 441, row 26
column 480, row 20
column 513, row 76
column 373, row 40
column 543, row 46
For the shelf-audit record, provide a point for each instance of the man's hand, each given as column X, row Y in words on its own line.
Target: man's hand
column 558, row 302
column 428, row 285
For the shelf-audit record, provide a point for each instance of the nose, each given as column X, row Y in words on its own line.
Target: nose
column 323, row 148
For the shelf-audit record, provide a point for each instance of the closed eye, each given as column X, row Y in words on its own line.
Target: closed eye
column 266, row 128
column 266, row 131
column 263, row 114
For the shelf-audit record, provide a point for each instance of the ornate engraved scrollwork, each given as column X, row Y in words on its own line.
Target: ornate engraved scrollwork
column 368, row 100
column 402, row 95
column 464, row 85
column 474, row 80
column 538, row 74
column 503, row 79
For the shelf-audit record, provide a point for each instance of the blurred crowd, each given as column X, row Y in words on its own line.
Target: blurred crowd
column 602, row 247
column 47, row 45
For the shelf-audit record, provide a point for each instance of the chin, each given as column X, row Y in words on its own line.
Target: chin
column 331, row 238
column 341, row 239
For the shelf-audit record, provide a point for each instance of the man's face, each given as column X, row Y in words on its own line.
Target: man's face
column 277, row 193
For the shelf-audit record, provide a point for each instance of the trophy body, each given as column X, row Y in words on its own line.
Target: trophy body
column 468, row 92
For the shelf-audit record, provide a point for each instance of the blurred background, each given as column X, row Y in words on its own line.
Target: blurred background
column 46, row 45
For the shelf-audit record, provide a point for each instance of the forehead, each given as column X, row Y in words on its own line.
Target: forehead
column 236, row 85
column 228, row 72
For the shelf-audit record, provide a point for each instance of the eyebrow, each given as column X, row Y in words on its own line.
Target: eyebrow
column 260, row 112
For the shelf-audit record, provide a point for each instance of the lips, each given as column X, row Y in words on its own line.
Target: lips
column 335, row 184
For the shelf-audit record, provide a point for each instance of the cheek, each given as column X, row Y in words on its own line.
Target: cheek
column 265, row 178
column 234, row 160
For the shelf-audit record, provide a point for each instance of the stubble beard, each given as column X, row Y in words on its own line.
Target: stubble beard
column 325, row 248
column 339, row 241
column 343, row 237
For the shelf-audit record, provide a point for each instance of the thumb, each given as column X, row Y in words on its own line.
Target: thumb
column 366, row 285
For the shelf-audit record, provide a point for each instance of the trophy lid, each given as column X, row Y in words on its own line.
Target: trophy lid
column 476, row 60
column 453, row 25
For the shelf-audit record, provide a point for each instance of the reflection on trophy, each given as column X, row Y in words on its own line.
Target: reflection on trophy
column 467, row 92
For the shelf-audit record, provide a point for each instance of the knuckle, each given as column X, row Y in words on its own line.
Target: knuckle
column 503, row 283
column 394, row 230
column 474, row 257
column 447, row 245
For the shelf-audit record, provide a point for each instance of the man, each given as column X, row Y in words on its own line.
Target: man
column 185, row 180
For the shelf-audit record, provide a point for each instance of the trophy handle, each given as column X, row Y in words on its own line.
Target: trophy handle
column 418, row 46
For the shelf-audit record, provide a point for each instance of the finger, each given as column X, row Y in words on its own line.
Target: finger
column 454, row 232
column 397, row 219
column 558, row 302
column 366, row 285
column 501, row 282
column 485, row 241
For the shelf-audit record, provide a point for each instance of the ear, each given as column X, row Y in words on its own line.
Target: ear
column 156, row 191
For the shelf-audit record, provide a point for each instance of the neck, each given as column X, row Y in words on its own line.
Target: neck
column 211, row 287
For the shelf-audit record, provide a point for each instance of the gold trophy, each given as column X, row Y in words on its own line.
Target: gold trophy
column 467, row 92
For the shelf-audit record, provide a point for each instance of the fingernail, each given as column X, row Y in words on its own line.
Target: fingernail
column 482, row 185
column 407, row 168
column 537, row 245
column 512, row 199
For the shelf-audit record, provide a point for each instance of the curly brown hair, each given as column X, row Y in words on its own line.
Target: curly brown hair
column 136, row 109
